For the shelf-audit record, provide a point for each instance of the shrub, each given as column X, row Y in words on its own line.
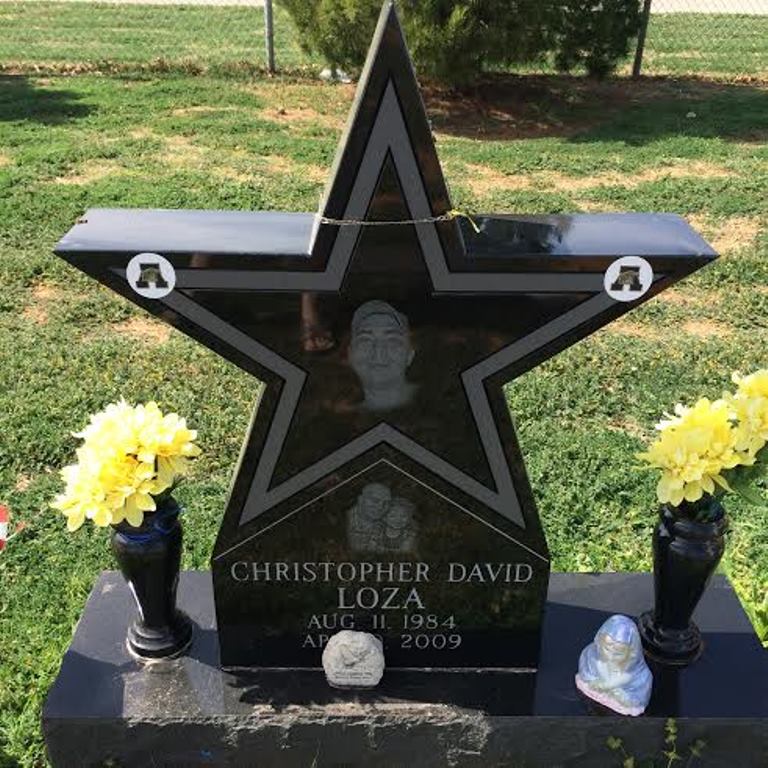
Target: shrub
column 595, row 34
column 339, row 30
column 455, row 40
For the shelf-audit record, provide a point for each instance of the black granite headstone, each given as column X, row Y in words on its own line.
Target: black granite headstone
column 381, row 487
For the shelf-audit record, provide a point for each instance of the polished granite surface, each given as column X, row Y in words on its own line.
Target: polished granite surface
column 98, row 678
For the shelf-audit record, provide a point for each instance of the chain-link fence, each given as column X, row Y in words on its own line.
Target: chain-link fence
column 717, row 38
column 707, row 38
column 155, row 35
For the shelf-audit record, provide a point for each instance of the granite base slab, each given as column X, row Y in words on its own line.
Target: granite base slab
column 107, row 709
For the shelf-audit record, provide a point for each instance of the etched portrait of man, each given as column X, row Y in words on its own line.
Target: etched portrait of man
column 380, row 353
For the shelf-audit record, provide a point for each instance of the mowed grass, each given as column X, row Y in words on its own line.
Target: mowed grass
column 530, row 145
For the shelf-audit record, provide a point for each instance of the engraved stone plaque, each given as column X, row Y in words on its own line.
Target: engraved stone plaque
column 353, row 660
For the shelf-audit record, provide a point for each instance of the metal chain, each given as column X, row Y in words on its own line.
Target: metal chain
column 449, row 216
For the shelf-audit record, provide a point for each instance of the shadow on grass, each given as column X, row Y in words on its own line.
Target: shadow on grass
column 8, row 762
column 22, row 100
column 504, row 107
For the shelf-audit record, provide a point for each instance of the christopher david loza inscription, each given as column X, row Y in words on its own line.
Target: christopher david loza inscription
column 382, row 597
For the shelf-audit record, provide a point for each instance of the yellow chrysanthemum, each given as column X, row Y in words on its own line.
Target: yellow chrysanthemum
column 695, row 447
column 128, row 456
column 112, row 429
column 750, row 408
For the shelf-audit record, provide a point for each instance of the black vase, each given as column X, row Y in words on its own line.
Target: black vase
column 687, row 546
column 149, row 557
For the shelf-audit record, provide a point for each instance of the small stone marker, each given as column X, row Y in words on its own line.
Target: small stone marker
column 353, row 660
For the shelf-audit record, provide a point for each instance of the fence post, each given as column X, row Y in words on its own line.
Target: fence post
column 269, row 34
column 644, row 19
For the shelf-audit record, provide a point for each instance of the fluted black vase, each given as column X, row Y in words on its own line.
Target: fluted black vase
column 687, row 546
column 150, row 557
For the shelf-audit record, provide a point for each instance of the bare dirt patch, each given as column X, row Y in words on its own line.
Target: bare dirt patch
column 482, row 179
column 680, row 170
column 685, row 54
column 533, row 106
column 228, row 173
column 279, row 165
column 144, row 133
column 45, row 292
column 727, row 236
column 327, row 105
column 635, row 330
column 227, row 164
column 22, row 483
column 690, row 298
column 180, row 152
column 677, row 297
column 4, row 160
column 706, row 329
column 300, row 116
column 90, row 172
column 143, row 329
column 202, row 110
column 591, row 206
column 485, row 113
column 37, row 314
column 701, row 329
column 233, row 165
column 177, row 151
column 629, row 427
column 43, row 295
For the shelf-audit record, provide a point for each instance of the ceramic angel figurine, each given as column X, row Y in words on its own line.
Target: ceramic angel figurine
column 612, row 670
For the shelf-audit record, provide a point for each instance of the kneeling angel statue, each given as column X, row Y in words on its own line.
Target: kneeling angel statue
column 612, row 669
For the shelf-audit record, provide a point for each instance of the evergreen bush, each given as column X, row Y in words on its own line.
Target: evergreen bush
column 455, row 40
column 595, row 34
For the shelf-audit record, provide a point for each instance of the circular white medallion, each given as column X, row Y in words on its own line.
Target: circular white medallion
column 628, row 278
column 151, row 275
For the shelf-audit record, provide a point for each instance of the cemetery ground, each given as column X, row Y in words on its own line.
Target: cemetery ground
column 533, row 145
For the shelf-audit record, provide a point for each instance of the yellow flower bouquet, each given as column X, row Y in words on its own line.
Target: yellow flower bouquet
column 702, row 452
column 714, row 447
column 130, row 457
column 129, row 462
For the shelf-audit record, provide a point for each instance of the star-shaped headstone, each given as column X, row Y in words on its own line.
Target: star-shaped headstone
column 384, row 329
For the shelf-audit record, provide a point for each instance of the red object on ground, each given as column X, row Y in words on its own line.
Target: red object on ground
column 4, row 515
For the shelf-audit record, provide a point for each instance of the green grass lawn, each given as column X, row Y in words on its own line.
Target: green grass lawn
column 526, row 145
